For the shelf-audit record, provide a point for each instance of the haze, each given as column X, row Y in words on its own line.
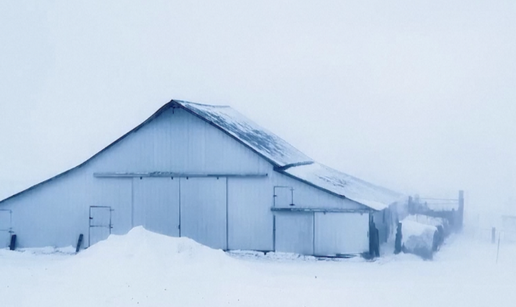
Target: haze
column 418, row 97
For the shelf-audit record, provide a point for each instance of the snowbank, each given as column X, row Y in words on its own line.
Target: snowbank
column 142, row 245
column 146, row 269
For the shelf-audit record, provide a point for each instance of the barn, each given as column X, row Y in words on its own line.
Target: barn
column 208, row 173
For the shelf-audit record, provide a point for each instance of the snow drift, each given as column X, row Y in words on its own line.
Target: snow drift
column 143, row 248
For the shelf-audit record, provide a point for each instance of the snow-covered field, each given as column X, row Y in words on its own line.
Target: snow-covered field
column 146, row 269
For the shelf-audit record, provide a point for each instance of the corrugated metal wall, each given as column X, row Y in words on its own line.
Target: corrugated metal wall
column 180, row 142
column 5, row 227
column 341, row 233
column 249, row 213
column 55, row 213
column 224, row 212
column 156, row 205
column 306, row 196
column 294, row 233
column 203, row 211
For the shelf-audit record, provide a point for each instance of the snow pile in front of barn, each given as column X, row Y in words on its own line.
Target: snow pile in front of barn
column 140, row 244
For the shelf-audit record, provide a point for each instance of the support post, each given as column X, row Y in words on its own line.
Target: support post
column 498, row 250
column 12, row 245
column 460, row 213
column 397, row 241
column 79, row 243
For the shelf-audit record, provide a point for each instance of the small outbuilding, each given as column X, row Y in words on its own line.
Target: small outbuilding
column 207, row 173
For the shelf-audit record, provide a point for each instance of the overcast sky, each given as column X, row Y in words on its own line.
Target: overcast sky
column 416, row 96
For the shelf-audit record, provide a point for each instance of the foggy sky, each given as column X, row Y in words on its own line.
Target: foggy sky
column 416, row 96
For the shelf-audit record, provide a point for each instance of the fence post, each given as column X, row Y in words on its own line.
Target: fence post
column 397, row 241
column 498, row 249
column 460, row 212
column 493, row 235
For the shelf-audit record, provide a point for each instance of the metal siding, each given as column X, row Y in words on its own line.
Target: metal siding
column 341, row 233
column 100, row 224
column 294, row 233
column 117, row 194
column 250, row 218
column 5, row 228
column 203, row 211
column 156, row 205
column 54, row 214
column 283, row 196
column 177, row 141
column 5, row 220
column 306, row 196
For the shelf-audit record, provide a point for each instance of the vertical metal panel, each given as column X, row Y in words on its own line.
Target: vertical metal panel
column 341, row 233
column 5, row 227
column 156, row 205
column 294, row 233
column 53, row 214
column 249, row 214
column 307, row 196
column 179, row 141
column 117, row 194
column 203, row 210
column 5, row 220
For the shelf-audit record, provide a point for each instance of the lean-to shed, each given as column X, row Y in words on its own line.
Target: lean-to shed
column 204, row 172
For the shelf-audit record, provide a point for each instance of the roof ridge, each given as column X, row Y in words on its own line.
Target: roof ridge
column 200, row 104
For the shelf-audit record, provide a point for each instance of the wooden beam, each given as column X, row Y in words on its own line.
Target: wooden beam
column 173, row 174
column 324, row 210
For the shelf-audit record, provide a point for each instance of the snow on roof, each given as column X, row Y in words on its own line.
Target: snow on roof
column 355, row 189
column 246, row 131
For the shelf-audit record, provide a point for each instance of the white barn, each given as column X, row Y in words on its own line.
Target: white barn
column 207, row 173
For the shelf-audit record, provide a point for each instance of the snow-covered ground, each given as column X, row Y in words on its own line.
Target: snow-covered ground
column 146, row 269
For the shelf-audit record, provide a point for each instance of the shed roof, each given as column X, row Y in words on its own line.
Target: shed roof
column 345, row 185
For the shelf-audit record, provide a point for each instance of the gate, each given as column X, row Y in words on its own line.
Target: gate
column 100, row 224
column 5, row 227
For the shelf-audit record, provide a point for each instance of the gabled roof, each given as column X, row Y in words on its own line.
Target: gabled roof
column 344, row 185
column 285, row 158
column 260, row 140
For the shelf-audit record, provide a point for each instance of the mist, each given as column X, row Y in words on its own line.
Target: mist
column 418, row 97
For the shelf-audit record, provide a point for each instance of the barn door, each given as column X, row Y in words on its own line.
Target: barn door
column 5, row 227
column 100, row 224
column 204, row 211
column 341, row 233
column 294, row 233
column 156, row 205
